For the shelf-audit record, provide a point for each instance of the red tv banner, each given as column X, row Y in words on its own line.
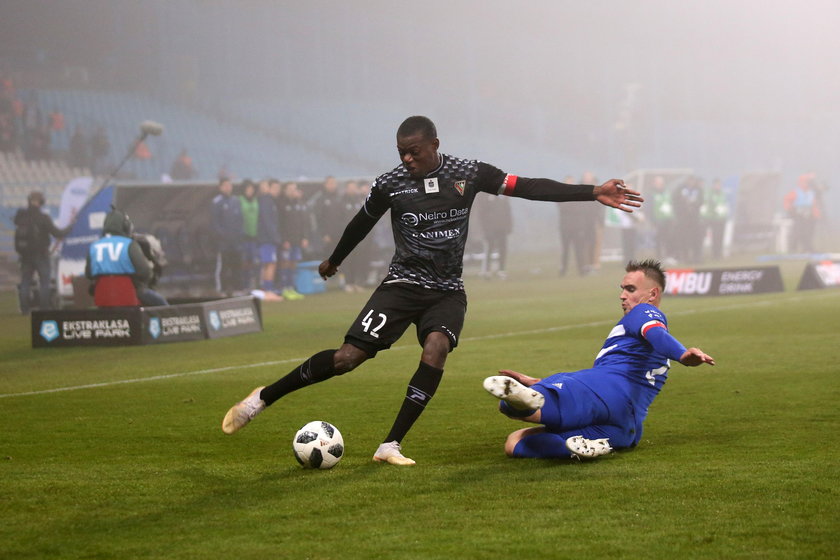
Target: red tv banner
column 723, row 281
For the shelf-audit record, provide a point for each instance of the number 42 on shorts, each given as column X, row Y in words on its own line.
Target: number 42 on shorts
column 368, row 321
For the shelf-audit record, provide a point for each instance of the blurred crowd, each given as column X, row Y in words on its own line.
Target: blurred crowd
column 685, row 222
column 264, row 229
column 24, row 126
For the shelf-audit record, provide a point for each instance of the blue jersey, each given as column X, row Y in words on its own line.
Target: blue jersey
column 628, row 352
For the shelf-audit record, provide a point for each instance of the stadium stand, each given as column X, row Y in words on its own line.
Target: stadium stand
column 247, row 151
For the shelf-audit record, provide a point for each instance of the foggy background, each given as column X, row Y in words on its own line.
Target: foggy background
column 538, row 88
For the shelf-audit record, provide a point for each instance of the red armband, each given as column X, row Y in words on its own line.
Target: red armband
column 508, row 185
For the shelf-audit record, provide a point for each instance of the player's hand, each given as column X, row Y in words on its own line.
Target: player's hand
column 694, row 357
column 615, row 194
column 327, row 269
column 521, row 377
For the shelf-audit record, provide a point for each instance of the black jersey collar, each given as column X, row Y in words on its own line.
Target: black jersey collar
column 439, row 167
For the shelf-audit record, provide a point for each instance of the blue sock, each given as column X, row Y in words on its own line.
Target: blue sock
column 508, row 410
column 542, row 446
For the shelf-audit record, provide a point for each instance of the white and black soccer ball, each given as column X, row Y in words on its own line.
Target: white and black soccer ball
column 318, row 445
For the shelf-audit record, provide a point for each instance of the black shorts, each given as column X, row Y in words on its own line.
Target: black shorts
column 393, row 307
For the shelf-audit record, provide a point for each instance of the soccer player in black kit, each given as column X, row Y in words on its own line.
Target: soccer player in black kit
column 429, row 195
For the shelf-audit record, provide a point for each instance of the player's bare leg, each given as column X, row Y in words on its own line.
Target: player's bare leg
column 517, row 436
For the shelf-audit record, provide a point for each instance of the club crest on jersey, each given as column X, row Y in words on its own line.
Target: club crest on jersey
column 459, row 186
column 431, row 185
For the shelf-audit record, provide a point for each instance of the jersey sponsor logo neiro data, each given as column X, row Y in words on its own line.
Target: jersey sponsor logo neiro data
column 412, row 219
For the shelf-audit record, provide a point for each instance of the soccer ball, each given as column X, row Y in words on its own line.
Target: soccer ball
column 318, row 445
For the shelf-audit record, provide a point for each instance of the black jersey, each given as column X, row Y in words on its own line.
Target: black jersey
column 430, row 218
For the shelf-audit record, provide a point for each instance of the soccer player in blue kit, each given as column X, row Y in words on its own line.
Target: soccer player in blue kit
column 430, row 197
column 589, row 413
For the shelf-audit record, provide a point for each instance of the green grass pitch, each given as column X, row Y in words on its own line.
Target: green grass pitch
column 118, row 453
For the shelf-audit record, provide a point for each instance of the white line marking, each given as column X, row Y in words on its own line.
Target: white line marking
column 714, row 309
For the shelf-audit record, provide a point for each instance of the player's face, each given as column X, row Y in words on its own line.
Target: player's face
column 637, row 288
column 418, row 154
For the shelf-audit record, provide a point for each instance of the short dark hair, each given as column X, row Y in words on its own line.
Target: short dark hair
column 418, row 125
column 651, row 268
column 36, row 197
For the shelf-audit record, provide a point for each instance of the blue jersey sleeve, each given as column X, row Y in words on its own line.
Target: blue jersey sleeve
column 663, row 342
column 650, row 323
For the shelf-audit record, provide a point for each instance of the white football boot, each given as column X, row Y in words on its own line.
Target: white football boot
column 243, row 412
column 514, row 393
column 583, row 448
column 389, row 452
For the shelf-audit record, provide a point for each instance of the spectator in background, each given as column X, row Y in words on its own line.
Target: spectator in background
column 8, row 130
column 593, row 223
column 78, row 154
column 228, row 233
column 268, row 232
column 497, row 223
column 100, row 146
column 182, row 168
column 802, row 206
column 662, row 218
column 293, row 217
column 56, row 120
column 32, row 122
column 250, row 246
column 40, row 148
column 687, row 202
column 8, row 133
column 142, row 151
column 357, row 265
column 573, row 232
column 715, row 214
column 329, row 214
column 33, row 229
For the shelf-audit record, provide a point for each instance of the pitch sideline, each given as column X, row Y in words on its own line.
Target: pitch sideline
column 794, row 298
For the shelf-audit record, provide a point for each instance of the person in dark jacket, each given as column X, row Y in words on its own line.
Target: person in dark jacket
column 33, row 230
column 227, row 227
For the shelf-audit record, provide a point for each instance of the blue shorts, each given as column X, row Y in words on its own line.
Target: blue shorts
column 268, row 253
column 597, row 408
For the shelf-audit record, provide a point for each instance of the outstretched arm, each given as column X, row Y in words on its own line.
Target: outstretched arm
column 664, row 343
column 615, row 194
column 694, row 357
